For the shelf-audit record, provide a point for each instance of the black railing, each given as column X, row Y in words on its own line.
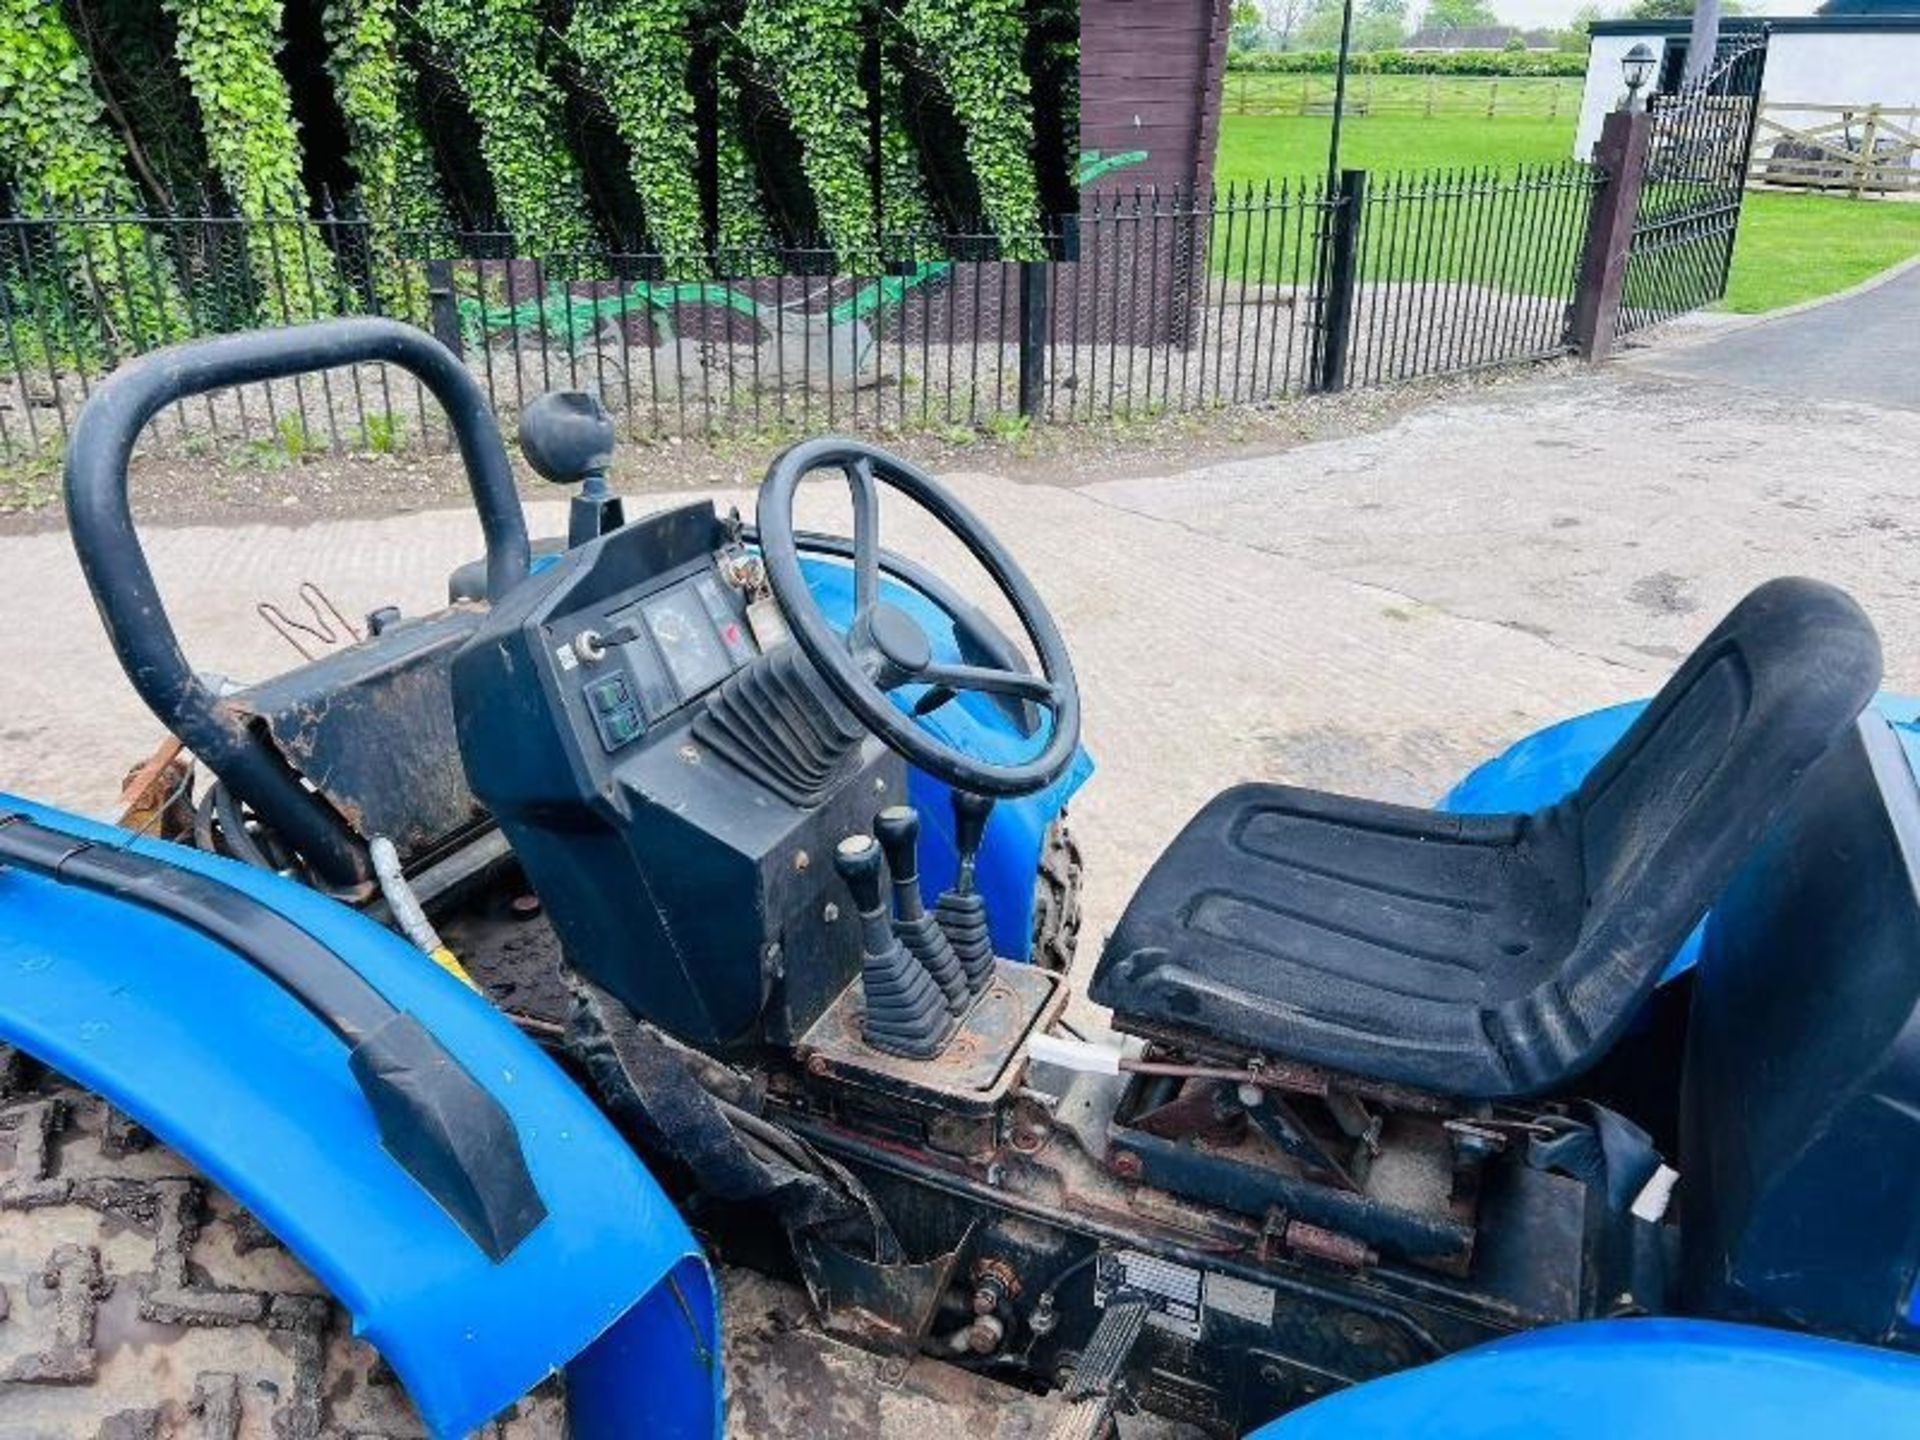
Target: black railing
column 1699, row 145
column 1153, row 303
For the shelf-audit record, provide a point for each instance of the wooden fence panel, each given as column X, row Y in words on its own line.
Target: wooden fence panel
column 1863, row 149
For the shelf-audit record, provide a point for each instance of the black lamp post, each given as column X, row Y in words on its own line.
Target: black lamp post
column 1339, row 94
column 1637, row 65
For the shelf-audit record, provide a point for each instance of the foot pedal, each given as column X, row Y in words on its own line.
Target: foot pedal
column 1093, row 1387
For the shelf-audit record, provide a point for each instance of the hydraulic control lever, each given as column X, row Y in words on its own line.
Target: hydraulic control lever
column 906, row 1014
column 567, row 436
column 897, row 828
column 962, row 911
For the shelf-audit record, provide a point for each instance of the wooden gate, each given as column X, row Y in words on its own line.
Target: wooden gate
column 1864, row 148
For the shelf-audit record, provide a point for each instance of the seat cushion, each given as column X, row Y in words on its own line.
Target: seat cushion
column 1360, row 935
column 1492, row 956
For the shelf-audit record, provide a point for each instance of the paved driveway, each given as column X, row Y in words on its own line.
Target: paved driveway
column 1864, row 348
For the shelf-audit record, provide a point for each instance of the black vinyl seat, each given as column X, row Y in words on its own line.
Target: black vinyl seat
column 1490, row 956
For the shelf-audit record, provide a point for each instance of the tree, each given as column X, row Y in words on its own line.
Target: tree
column 1283, row 20
column 1249, row 25
column 1575, row 37
column 53, row 147
column 1377, row 25
column 1460, row 15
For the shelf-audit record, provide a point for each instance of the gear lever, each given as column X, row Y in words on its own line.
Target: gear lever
column 962, row 911
column 906, row 1013
column 897, row 828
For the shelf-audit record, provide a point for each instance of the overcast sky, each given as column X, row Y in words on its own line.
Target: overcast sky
column 1559, row 12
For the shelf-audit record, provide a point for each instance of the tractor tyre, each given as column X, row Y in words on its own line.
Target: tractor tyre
column 139, row 1302
column 1056, row 898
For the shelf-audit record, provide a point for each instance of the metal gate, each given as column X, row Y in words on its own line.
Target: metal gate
column 1699, row 142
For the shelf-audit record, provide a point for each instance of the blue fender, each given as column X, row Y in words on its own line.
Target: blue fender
column 1548, row 764
column 1016, row 831
column 227, row 1068
column 1613, row 1379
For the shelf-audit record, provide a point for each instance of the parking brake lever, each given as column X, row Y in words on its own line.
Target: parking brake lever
column 962, row 910
column 897, row 828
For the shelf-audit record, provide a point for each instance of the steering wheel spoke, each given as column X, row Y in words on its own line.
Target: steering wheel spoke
column 990, row 680
column 866, row 538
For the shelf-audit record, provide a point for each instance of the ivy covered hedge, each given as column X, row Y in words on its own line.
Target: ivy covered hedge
column 64, row 158
column 1411, row 62
column 684, row 126
column 227, row 51
column 495, row 49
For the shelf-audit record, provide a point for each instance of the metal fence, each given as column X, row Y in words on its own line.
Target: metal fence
column 1153, row 303
column 1693, row 189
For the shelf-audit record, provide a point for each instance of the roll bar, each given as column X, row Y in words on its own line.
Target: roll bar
column 122, row 582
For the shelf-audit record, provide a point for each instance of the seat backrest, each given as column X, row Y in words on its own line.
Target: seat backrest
column 1800, row 1107
column 1666, row 818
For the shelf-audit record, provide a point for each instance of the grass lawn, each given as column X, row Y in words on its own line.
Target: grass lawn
column 1257, row 148
column 1792, row 247
column 1798, row 247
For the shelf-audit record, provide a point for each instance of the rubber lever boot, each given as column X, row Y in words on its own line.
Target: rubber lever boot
column 897, row 828
column 962, row 911
column 906, row 1013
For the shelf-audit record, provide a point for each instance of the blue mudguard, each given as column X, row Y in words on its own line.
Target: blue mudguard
column 972, row 722
column 227, row 1068
column 1624, row 1379
column 1549, row 763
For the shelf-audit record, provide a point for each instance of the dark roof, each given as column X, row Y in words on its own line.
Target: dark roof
column 1906, row 18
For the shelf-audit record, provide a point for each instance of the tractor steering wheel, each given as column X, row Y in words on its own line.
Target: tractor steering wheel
column 884, row 647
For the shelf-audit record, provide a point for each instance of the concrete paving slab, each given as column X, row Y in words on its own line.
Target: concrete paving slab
column 1615, row 515
column 1204, row 660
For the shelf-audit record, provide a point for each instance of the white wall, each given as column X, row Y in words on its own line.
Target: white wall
column 1862, row 68
column 1606, row 86
column 1848, row 67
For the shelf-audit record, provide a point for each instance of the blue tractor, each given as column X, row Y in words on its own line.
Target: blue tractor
column 696, row 891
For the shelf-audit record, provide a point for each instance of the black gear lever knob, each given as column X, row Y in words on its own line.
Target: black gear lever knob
column 962, row 911
column 970, row 814
column 863, row 867
column 567, row 436
column 906, row 1014
column 898, row 830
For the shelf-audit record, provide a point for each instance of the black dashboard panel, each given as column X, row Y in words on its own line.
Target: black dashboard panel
column 675, row 877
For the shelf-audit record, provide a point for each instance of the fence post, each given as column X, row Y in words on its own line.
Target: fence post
column 1863, row 170
column 1033, row 337
column 1622, row 154
column 442, row 308
column 1340, row 279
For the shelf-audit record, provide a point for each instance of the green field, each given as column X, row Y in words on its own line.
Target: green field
column 1256, row 148
column 1800, row 247
column 1376, row 96
column 1791, row 248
